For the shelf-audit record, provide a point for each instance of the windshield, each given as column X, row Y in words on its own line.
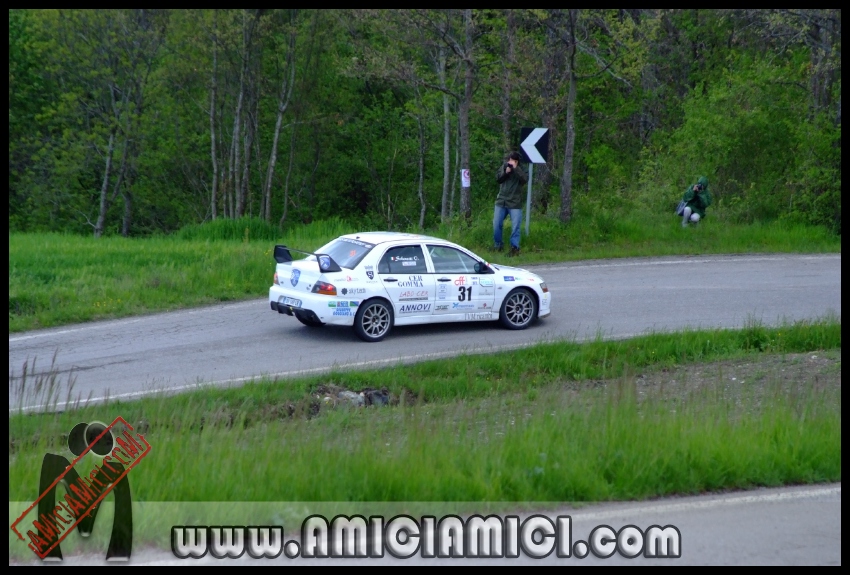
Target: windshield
column 346, row 252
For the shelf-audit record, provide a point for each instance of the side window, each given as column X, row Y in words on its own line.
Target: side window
column 403, row 260
column 451, row 261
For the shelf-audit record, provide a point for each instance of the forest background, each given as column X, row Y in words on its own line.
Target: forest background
column 140, row 122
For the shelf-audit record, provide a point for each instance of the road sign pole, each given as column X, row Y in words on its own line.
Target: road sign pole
column 528, row 200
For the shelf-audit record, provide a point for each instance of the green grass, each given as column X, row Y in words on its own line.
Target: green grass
column 61, row 279
column 474, row 427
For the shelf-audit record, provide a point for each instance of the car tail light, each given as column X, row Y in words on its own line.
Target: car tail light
column 277, row 283
column 544, row 287
column 324, row 288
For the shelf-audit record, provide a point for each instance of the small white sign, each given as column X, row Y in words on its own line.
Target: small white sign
column 464, row 178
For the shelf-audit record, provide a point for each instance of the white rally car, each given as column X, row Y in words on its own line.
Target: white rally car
column 375, row 280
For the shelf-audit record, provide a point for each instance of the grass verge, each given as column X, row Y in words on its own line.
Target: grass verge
column 560, row 422
column 59, row 279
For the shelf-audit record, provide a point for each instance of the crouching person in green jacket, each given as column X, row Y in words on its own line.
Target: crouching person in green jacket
column 697, row 198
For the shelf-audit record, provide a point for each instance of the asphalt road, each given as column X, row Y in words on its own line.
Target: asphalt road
column 234, row 343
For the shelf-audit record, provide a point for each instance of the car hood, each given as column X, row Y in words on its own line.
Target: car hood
column 514, row 271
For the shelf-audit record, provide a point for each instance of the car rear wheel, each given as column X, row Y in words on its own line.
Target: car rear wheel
column 518, row 310
column 373, row 321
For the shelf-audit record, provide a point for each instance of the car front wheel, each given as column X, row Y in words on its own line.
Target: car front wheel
column 518, row 310
column 373, row 321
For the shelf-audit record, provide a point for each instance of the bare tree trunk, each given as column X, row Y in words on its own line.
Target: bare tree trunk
column 455, row 171
column 245, row 192
column 236, row 164
column 506, row 81
column 128, row 211
column 445, row 208
column 237, row 122
column 463, row 114
column 286, row 182
column 552, row 74
column 104, row 188
column 213, row 89
column 282, row 103
column 567, row 176
column 422, row 204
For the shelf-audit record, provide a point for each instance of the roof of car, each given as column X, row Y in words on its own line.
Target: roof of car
column 382, row 237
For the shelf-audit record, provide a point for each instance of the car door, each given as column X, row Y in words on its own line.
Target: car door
column 404, row 273
column 462, row 294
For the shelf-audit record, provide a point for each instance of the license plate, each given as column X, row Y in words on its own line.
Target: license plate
column 292, row 301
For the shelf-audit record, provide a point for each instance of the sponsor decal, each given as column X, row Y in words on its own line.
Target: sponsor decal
column 370, row 272
column 478, row 316
column 485, row 305
column 293, row 279
column 353, row 303
column 350, row 279
column 331, row 304
column 414, row 307
column 486, row 282
column 441, row 307
column 342, row 304
column 485, row 291
column 414, row 295
column 461, row 280
column 324, row 262
column 412, row 281
column 357, row 243
column 342, row 311
column 352, row 291
column 509, row 278
column 458, row 305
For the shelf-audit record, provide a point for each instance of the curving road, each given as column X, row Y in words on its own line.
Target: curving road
column 234, row 343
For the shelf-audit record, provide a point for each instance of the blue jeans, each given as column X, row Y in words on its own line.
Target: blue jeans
column 499, row 215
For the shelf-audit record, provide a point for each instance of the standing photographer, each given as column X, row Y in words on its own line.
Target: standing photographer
column 697, row 198
column 509, row 201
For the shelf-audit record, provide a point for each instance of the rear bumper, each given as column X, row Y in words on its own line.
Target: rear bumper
column 314, row 308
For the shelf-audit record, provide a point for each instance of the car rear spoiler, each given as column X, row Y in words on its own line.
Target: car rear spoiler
column 326, row 263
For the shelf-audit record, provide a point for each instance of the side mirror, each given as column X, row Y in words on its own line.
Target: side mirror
column 482, row 268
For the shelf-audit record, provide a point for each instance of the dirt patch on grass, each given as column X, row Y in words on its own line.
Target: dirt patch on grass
column 754, row 377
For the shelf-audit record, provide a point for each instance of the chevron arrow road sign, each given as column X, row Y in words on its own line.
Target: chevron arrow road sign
column 534, row 143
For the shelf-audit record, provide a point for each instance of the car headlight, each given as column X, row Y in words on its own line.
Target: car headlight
column 543, row 287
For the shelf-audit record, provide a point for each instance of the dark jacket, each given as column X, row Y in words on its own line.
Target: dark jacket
column 510, row 191
column 698, row 201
